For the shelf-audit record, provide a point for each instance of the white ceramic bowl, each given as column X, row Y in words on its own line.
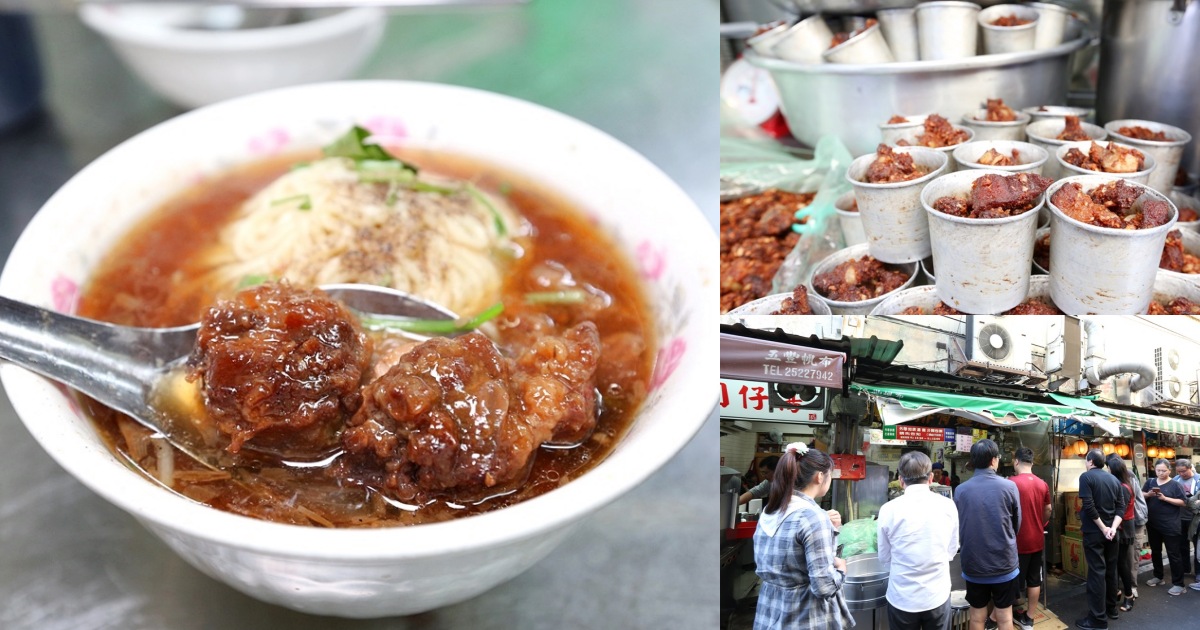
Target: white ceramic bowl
column 377, row 572
column 193, row 67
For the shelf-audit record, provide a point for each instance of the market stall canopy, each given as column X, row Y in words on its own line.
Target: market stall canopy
column 1147, row 422
column 898, row 405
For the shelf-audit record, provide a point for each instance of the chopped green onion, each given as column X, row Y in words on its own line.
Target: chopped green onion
column 505, row 188
column 397, row 174
column 501, row 229
column 352, row 145
column 299, row 165
column 305, row 201
column 569, row 296
column 433, row 326
column 252, row 281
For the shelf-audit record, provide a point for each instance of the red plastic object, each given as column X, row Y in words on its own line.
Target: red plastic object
column 742, row 531
column 849, row 467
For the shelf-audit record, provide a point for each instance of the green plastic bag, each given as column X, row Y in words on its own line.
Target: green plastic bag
column 749, row 166
column 858, row 537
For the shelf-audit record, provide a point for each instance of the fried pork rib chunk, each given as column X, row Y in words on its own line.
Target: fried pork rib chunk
column 1032, row 306
column 1041, row 251
column 858, row 280
column 1175, row 258
column 281, row 368
column 1178, row 306
column 1010, row 20
column 996, row 196
column 897, row 120
column 890, row 167
column 1112, row 158
column 1142, row 133
column 1073, row 131
column 939, row 133
column 756, row 236
column 455, row 418
column 1187, row 215
column 995, row 158
column 997, row 111
column 797, row 304
column 1111, row 205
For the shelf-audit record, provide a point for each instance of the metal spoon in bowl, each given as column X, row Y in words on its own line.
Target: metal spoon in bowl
column 120, row 366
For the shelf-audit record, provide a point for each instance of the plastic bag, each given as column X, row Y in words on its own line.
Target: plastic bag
column 858, row 537
column 749, row 166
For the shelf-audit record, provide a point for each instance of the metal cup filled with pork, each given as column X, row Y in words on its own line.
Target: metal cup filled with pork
column 1108, row 238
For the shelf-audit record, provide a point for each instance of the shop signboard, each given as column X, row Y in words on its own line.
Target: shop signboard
column 760, row 360
column 748, row 400
column 914, row 433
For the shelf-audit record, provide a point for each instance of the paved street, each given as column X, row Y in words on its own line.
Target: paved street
column 1068, row 602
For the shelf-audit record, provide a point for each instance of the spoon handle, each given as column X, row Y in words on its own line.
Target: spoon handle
column 116, row 365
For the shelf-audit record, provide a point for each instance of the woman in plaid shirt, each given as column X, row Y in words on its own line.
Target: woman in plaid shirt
column 794, row 548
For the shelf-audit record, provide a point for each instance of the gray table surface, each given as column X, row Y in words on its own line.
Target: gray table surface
column 645, row 72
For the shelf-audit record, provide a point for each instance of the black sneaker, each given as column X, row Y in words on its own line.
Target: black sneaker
column 1024, row 621
column 990, row 625
column 1088, row 624
column 1112, row 614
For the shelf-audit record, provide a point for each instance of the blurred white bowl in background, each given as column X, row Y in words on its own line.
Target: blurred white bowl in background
column 190, row 65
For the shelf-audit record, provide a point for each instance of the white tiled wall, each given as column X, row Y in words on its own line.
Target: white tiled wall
column 738, row 449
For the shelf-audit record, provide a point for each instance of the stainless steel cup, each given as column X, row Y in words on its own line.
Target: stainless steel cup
column 998, row 40
column 1070, row 170
column 1098, row 270
column 1168, row 154
column 983, row 264
column 996, row 130
column 896, row 227
column 1030, row 157
column 1044, row 133
column 868, row 47
column 900, row 31
column 854, row 308
column 947, row 30
column 805, row 41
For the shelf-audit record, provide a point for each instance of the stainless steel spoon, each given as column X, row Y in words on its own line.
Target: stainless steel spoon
column 119, row 366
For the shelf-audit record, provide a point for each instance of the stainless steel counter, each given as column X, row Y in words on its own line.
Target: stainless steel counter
column 645, row 72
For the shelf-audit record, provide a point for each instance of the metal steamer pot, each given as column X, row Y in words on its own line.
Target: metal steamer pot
column 866, row 583
column 1148, row 52
column 850, row 100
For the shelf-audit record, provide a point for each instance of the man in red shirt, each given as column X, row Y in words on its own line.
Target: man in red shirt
column 1031, row 540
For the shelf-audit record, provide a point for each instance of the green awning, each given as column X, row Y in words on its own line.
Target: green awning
column 902, row 404
column 1147, row 422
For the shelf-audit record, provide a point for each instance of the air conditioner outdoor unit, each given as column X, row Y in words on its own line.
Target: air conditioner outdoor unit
column 997, row 347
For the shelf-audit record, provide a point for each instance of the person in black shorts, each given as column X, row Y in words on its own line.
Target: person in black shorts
column 989, row 517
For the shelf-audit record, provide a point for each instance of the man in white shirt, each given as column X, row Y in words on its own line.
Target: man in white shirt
column 918, row 536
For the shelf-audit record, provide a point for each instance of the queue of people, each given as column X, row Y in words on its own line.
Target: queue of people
column 997, row 525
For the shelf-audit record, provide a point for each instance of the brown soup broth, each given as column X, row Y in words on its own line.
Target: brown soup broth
column 149, row 279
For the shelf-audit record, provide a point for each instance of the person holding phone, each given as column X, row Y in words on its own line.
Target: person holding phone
column 1164, row 498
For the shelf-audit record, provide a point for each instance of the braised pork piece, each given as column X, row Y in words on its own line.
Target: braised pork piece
column 756, row 236
column 1175, row 257
column 1187, row 215
column 1110, row 158
column 1073, row 131
column 1177, row 306
column 1010, row 20
column 897, row 120
column 939, row 133
column 996, row 196
column 1111, row 205
column 992, row 157
column 1033, row 306
column 890, row 167
column 997, row 111
column 796, row 304
column 859, row 279
column 1143, row 133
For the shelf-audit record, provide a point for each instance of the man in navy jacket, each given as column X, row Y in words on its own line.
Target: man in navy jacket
column 989, row 515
